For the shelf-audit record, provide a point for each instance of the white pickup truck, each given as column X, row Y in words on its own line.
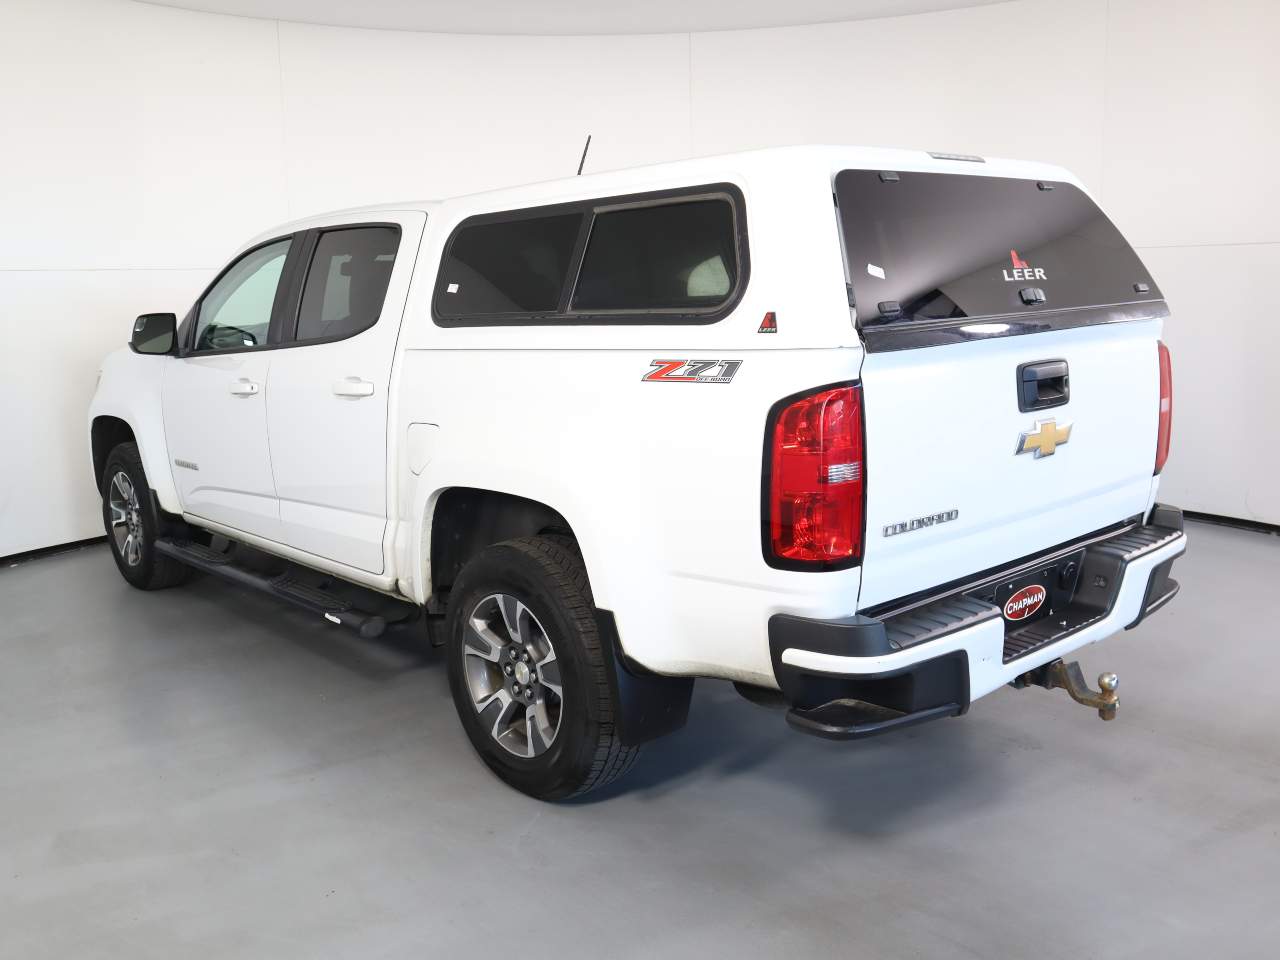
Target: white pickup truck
column 871, row 433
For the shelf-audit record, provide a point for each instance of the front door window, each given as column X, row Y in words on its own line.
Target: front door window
column 236, row 312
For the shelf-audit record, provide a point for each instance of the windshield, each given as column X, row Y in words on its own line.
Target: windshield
column 933, row 246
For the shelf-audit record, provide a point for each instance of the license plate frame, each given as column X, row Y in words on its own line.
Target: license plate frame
column 1057, row 578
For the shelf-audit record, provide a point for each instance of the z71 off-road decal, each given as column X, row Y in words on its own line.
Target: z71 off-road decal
column 692, row 371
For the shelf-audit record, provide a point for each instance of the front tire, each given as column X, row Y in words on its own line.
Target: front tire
column 133, row 524
column 528, row 677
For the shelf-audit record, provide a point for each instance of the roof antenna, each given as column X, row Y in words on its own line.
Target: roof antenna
column 585, row 147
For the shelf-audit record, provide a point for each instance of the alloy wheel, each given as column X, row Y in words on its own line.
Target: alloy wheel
column 126, row 518
column 512, row 675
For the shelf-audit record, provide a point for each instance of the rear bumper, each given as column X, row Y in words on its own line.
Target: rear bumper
column 860, row 675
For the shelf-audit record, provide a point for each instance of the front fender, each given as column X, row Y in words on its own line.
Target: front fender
column 130, row 389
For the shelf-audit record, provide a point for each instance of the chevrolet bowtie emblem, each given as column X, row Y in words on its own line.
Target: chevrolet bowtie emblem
column 1044, row 439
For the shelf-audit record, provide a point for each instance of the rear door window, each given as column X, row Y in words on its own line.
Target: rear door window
column 674, row 256
column 347, row 281
column 508, row 267
column 942, row 246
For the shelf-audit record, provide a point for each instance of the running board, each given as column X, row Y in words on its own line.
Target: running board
column 284, row 586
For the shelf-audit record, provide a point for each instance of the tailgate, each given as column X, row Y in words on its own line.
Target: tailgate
column 948, row 493
column 1011, row 382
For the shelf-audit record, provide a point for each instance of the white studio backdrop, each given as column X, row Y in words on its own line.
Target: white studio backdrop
column 139, row 145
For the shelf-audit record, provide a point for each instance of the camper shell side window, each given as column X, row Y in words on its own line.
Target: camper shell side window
column 675, row 256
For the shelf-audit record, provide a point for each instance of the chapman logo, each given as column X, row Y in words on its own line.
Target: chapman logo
column 1021, row 270
column 1025, row 602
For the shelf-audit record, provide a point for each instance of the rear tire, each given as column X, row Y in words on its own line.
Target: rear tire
column 132, row 523
column 528, row 677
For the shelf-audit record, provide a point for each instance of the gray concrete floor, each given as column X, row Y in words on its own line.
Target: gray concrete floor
column 202, row 773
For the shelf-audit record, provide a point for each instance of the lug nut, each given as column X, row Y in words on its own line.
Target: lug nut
column 507, row 669
column 515, row 688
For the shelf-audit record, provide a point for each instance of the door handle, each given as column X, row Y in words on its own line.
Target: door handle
column 244, row 388
column 352, row 388
column 1042, row 385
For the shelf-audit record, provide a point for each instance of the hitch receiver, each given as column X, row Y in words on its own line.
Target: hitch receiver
column 1070, row 678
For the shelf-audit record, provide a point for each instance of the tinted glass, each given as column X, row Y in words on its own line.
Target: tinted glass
column 949, row 245
column 236, row 312
column 678, row 256
column 347, row 282
column 517, row 266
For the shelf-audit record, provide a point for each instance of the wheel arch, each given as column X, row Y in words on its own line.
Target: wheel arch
column 463, row 521
column 105, row 434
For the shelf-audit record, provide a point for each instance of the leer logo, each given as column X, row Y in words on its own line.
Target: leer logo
column 1025, row 602
column 1021, row 271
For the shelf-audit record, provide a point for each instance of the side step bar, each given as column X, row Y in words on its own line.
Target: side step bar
column 283, row 586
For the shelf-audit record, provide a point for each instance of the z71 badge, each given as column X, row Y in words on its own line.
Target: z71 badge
column 692, row 371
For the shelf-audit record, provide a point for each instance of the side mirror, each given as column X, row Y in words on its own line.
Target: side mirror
column 155, row 333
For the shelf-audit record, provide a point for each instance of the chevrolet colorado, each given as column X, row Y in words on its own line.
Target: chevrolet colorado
column 870, row 433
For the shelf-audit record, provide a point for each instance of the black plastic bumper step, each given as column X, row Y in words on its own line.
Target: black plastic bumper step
column 285, row 587
column 937, row 619
column 854, row 719
column 1102, row 573
column 1041, row 633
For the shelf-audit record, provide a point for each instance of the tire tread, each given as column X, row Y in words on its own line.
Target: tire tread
column 165, row 571
column 560, row 560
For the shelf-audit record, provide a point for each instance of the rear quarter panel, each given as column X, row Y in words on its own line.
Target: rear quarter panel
column 661, row 482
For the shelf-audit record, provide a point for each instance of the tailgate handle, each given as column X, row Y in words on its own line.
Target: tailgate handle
column 1043, row 384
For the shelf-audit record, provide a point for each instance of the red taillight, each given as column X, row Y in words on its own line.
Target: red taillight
column 1166, row 408
column 816, row 478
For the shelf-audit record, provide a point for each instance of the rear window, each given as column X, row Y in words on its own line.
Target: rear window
column 941, row 246
column 668, row 257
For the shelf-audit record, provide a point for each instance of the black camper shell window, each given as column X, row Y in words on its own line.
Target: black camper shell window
column 938, row 246
column 675, row 256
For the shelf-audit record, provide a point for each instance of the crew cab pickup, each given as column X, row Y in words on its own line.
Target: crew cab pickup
column 870, row 433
